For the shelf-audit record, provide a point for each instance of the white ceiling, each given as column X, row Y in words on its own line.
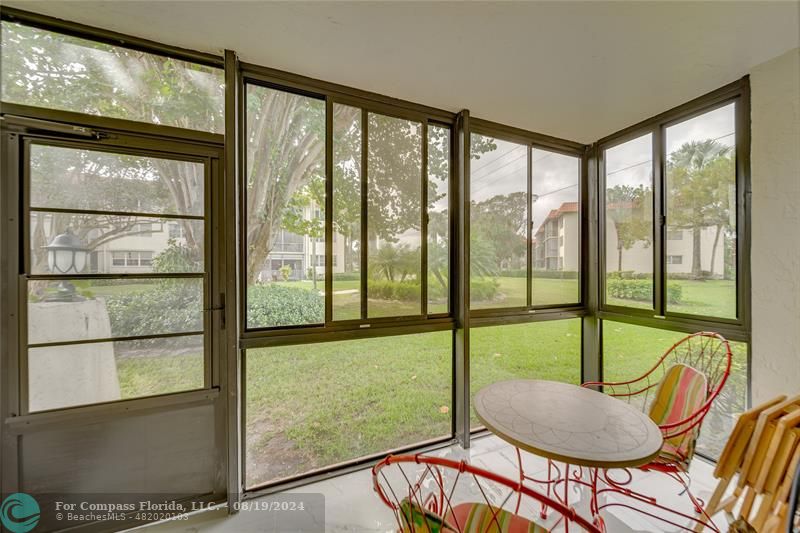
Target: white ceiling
column 573, row 70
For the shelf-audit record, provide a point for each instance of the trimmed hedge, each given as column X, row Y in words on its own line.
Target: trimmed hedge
column 171, row 305
column 640, row 289
column 515, row 273
column 541, row 274
column 629, row 274
column 409, row 291
column 277, row 305
column 555, row 274
column 177, row 306
column 346, row 276
column 483, row 288
column 404, row 291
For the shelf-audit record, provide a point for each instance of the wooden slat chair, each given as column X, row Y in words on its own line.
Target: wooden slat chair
column 732, row 459
column 438, row 495
column 784, row 508
column 768, row 433
column 763, row 450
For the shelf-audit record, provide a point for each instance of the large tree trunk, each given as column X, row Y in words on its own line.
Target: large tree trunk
column 619, row 257
column 714, row 249
column 440, row 279
column 270, row 185
column 314, row 261
column 697, row 270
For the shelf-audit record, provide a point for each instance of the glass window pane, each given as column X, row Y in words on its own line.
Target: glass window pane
column 347, row 212
column 438, row 219
column 629, row 223
column 46, row 69
column 498, row 216
column 118, row 244
column 285, row 197
column 556, row 228
column 548, row 350
column 69, row 178
column 314, row 406
column 81, row 374
column 701, row 214
column 81, row 309
column 394, row 216
column 629, row 351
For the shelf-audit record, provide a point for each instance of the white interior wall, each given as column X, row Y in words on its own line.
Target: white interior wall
column 775, row 254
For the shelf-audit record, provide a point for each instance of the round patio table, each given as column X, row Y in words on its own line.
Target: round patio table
column 569, row 424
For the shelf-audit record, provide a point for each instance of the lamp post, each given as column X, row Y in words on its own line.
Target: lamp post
column 66, row 254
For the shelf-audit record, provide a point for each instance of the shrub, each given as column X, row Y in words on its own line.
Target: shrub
column 347, row 276
column 514, row 273
column 640, row 289
column 286, row 272
column 541, row 274
column 406, row 291
column 483, row 288
column 436, row 291
column 170, row 305
column 674, row 293
column 629, row 274
column 555, row 274
column 276, row 305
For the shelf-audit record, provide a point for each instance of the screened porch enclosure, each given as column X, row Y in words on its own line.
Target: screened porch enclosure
column 316, row 275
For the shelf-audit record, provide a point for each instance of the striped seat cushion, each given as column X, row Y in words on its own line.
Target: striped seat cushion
column 416, row 519
column 481, row 518
column 464, row 518
column 682, row 391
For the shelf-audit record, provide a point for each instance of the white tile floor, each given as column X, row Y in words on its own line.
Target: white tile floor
column 352, row 506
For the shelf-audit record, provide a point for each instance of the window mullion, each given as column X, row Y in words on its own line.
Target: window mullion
column 659, row 223
column 424, row 222
column 328, row 211
column 529, row 230
column 364, row 228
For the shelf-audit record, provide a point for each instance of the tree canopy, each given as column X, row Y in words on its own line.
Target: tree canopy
column 700, row 177
column 628, row 206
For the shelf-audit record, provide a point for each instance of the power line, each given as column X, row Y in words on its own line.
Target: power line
column 489, row 173
column 556, row 190
column 629, row 167
column 474, row 181
column 650, row 160
column 495, row 160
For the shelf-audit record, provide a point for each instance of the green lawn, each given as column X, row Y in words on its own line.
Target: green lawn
column 511, row 293
column 309, row 406
column 147, row 375
column 347, row 301
column 711, row 298
column 546, row 291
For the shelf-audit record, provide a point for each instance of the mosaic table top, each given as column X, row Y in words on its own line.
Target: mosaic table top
column 568, row 423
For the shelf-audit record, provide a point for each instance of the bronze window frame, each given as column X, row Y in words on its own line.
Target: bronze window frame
column 735, row 329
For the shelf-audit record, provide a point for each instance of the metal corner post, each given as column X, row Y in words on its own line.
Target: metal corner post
column 461, row 296
column 231, row 366
column 592, row 366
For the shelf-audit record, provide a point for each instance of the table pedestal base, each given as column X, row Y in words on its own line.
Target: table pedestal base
column 556, row 478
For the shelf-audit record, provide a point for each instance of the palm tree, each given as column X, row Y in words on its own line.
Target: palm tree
column 393, row 261
column 699, row 175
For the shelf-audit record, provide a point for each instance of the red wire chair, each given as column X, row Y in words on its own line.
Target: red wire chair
column 413, row 486
column 705, row 352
